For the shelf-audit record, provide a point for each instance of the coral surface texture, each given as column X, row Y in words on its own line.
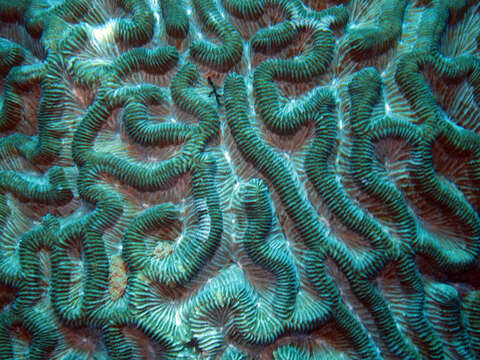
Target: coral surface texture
column 239, row 179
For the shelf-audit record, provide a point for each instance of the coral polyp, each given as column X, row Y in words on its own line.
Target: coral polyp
column 239, row 179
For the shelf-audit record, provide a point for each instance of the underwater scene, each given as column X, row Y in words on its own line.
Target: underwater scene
column 239, row 179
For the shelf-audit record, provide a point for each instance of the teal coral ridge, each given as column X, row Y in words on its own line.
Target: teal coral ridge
column 367, row 41
column 238, row 179
column 194, row 251
column 176, row 20
column 221, row 58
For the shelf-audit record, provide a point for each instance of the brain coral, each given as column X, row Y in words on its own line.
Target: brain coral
column 239, row 179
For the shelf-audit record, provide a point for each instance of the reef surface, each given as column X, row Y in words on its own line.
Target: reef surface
column 239, row 179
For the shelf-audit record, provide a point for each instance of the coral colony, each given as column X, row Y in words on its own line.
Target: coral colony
column 239, row 179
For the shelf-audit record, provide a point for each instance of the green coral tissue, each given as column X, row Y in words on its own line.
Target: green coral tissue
column 239, row 179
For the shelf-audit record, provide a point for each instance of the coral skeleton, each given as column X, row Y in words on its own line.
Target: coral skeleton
column 239, row 179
